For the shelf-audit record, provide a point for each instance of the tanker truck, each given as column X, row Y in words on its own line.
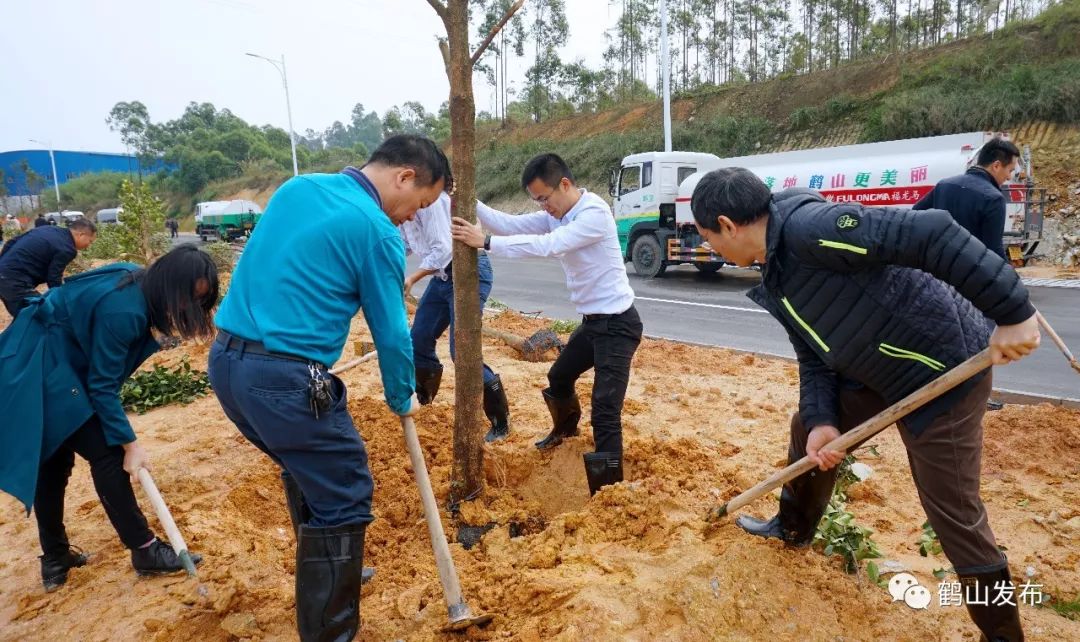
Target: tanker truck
column 226, row 220
column 652, row 191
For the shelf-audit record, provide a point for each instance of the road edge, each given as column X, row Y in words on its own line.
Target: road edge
column 1001, row 394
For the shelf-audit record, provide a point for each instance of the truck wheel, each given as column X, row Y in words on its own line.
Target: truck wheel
column 647, row 257
column 708, row 268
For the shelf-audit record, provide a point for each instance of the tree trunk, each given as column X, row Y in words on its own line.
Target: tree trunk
column 468, row 473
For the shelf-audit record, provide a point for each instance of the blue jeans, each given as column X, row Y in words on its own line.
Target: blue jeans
column 435, row 313
column 267, row 398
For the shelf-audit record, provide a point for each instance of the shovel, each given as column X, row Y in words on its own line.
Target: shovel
column 863, row 431
column 166, row 519
column 355, row 362
column 461, row 616
column 1058, row 342
column 531, row 349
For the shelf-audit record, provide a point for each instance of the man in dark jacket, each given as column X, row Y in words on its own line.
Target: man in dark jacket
column 864, row 295
column 974, row 198
column 40, row 256
column 40, row 221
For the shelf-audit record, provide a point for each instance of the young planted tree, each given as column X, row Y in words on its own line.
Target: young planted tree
column 141, row 235
column 468, row 472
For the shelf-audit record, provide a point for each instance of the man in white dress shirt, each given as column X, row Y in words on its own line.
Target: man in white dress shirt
column 428, row 235
column 576, row 227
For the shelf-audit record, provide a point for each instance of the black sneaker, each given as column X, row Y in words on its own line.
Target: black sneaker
column 54, row 568
column 158, row 559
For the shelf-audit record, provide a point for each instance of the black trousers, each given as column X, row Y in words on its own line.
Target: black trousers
column 14, row 295
column 607, row 345
column 113, row 487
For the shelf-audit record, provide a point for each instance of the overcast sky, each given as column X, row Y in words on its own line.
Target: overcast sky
column 67, row 62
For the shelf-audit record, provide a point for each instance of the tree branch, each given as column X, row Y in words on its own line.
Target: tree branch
column 494, row 30
column 439, row 8
column 444, row 49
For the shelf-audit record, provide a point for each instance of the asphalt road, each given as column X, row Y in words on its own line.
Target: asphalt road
column 712, row 309
column 184, row 238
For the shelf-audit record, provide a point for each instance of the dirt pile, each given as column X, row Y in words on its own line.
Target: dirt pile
column 635, row 562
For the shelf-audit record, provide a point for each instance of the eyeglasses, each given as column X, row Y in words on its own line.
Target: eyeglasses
column 542, row 200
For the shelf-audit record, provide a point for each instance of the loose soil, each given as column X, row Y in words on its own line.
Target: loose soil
column 635, row 562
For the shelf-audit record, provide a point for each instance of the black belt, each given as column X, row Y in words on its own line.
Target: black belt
column 601, row 317
column 228, row 341
column 449, row 269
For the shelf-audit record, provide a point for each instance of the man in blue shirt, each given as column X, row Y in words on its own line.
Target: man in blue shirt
column 326, row 247
column 40, row 256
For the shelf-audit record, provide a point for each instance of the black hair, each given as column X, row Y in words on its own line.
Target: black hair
column 734, row 192
column 84, row 225
column 997, row 149
column 169, row 287
column 420, row 154
column 549, row 168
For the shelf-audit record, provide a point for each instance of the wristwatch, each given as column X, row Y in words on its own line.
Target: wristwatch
column 487, row 242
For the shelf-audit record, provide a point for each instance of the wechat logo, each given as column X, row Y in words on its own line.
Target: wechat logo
column 904, row 586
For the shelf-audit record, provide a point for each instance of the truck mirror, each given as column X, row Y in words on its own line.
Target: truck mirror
column 611, row 182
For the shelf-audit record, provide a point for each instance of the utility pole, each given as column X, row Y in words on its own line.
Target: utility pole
column 56, row 177
column 288, row 105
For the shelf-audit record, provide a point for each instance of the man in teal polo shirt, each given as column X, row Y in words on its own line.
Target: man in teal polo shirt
column 326, row 247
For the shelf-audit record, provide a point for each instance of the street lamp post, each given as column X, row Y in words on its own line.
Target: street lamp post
column 665, row 60
column 288, row 105
column 56, row 177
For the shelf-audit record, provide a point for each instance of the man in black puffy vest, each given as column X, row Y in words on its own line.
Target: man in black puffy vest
column 877, row 303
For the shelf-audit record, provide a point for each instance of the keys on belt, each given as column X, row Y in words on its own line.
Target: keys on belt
column 318, row 390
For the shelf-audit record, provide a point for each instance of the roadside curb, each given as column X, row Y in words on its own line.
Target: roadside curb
column 1052, row 283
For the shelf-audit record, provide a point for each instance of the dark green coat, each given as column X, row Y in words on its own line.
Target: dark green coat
column 64, row 360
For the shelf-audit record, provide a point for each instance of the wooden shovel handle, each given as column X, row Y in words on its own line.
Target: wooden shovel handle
column 166, row 519
column 1057, row 341
column 447, row 573
column 355, row 362
column 865, row 430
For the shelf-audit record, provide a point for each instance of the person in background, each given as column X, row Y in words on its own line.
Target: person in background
column 40, row 256
column 428, row 235
column 974, row 198
column 63, row 361
column 40, row 221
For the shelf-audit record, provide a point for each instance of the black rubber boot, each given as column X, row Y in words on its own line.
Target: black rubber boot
column 54, row 568
column 158, row 559
column 497, row 409
column 328, row 563
column 802, row 503
column 602, row 469
column 427, row 384
column 998, row 622
column 565, row 414
column 294, row 500
column 299, row 514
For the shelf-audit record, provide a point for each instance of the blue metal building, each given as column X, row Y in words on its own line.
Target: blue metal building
column 69, row 165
